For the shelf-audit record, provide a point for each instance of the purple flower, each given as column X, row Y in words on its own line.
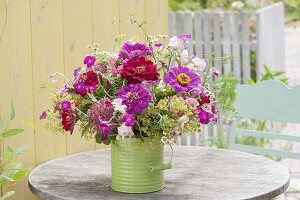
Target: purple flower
column 199, row 90
column 158, row 44
column 136, row 97
column 104, row 128
column 76, row 72
column 64, row 89
column 185, row 37
column 182, row 79
column 89, row 60
column 65, row 105
column 86, row 83
column 43, row 115
column 204, row 117
column 134, row 51
column 128, row 120
column 80, row 88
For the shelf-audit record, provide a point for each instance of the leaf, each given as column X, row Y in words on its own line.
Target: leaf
column 6, row 179
column 7, row 194
column 278, row 73
column 20, row 150
column 11, row 132
column 9, row 154
column 12, row 110
column 20, row 174
column 30, row 124
column 98, row 138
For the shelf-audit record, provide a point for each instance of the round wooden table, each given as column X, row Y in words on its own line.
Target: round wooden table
column 198, row 173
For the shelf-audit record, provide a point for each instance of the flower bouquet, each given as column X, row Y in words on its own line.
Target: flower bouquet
column 137, row 99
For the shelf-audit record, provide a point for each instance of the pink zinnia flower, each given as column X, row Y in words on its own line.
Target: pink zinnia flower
column 182, row 79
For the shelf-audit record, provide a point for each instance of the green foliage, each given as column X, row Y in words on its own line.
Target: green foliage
column 269, row 75
column 11, row 171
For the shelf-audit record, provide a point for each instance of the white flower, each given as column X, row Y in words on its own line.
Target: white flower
column 237, row 4
column 161, row 86
column 184, row 57
column 199, row 63
column 164, row 139
column 117, row 103
column 193, row 102
column 125, row 131
column 176, row 43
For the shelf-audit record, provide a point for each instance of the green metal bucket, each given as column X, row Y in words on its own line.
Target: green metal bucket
column 135, row 170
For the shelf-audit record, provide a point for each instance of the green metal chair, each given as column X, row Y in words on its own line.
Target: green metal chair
column 269, row 100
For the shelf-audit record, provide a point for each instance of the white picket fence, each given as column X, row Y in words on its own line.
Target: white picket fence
column 229, row 34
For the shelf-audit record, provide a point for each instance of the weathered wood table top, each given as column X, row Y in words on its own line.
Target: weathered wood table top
column 198, row 173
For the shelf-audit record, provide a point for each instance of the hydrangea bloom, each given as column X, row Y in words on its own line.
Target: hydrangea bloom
column 182, row 79
column 134, row 51
column 99, row 112
column 136, row 71
column 136, row 97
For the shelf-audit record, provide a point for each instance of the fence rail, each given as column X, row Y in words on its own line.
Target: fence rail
column 229, row 33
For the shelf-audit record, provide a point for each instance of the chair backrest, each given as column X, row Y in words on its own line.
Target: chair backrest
column 268, row 100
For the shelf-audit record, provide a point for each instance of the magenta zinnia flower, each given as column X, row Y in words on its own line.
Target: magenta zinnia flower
column 136, row 97
column 182, row 79
column 134, row 51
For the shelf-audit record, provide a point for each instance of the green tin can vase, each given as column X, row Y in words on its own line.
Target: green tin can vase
column 137, row 169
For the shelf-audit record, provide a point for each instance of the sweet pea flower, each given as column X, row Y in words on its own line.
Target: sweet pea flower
column 193, row 102
column 185, row 37
column 199, row 90
column 175, row 42
column 124, row 131
column 216, row 73
column 43, row 115
column 161, row 86
column 198, row 62
column 118, row 106
column 89, row 60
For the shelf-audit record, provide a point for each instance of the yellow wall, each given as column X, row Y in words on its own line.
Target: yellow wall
column 45, row 36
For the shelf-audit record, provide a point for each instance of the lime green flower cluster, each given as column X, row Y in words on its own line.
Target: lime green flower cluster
column 168, row 118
